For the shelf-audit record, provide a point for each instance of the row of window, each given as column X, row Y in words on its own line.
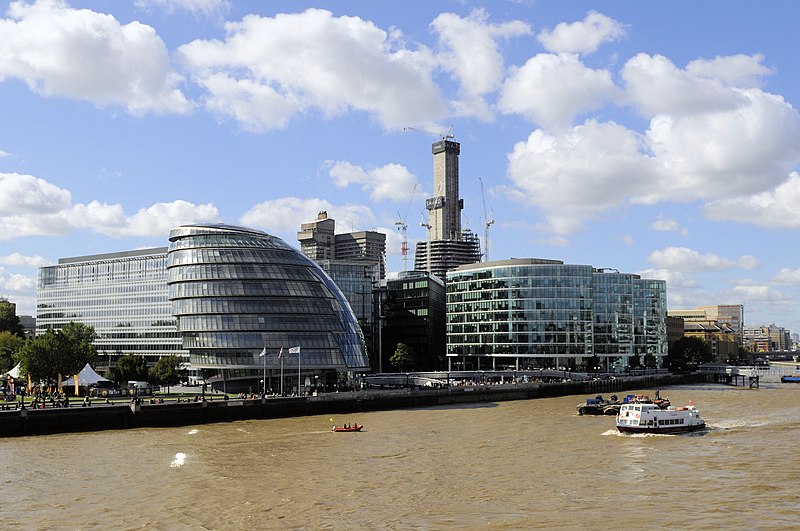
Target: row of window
column 183, row 307
column 243, row 272
column 230, row 288
column 234, row 256
column 198, row 323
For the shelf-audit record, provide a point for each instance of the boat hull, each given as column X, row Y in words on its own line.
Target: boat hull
column 351, row 429
column 665, row 430
column 790, row 379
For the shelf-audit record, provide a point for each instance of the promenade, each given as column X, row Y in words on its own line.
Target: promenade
column 121, row 415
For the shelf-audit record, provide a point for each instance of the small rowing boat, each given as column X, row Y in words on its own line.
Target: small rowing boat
column 354, row 427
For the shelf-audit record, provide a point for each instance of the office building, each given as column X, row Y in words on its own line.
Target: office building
column 414, row 313
column 123, row 296
column 447, row 245
column 534, row 313
column 237, row 292
column 319, row 242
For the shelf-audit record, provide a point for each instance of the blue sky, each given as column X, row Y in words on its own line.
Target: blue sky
column 653, row 138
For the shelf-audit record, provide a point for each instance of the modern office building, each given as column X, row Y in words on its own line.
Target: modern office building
column 725, row 316
column 414, row 313
column 123, row 296
column 447, row 246
column 534, row 313
column 319, row 242
column 767, row 338
column 236, row 291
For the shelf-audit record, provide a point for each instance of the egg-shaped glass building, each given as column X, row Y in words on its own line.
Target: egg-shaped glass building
column 238, row 293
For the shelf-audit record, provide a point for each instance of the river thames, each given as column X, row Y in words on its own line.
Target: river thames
column 508, row 465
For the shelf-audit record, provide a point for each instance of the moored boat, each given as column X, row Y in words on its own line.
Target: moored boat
column 647, row 417
column 791, row 378
column 353, row 427
column 597, row 405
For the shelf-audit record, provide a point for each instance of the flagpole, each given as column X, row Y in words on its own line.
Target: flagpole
column 281, row 375
column 264, row 376
column 298, row 371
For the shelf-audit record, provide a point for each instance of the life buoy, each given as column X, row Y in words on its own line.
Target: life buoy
column 637, row 415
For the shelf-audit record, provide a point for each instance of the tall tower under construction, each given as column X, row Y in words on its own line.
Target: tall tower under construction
column 447, row 246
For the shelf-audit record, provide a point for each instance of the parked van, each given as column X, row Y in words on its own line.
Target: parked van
column 140, row 388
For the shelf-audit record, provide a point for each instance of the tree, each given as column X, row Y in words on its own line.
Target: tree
column 130, row 367
column 58, row 353
column 9, row 321
column 168, row 371
column 403, row 357
column 688, row 353
column 10, row 344
column 650, row 361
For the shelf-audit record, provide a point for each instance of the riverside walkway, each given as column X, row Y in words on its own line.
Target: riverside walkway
column 216, row 409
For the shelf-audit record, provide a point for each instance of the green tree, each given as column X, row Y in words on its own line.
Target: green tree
column 688, row 353
column 403, row 357
column 130, row 367
column 650, row 361
column 58, row 353
column 168, row 371
column 10, row 344
column 9, row 321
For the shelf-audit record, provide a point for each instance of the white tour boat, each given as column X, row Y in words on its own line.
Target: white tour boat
column 649, row 418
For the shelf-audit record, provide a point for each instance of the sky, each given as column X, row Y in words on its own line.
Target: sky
column 658, row 138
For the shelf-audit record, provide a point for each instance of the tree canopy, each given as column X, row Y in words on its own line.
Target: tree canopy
column 10, row 344
column 60, row 352
column 403, row 357
column 688, row 353
column 9, row 321
column 130, row 367
column 168, row 371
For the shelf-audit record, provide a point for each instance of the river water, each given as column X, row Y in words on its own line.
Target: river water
column 508, row 465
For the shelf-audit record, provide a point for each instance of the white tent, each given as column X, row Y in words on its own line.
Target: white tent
column 14, row 373
column 87, row 376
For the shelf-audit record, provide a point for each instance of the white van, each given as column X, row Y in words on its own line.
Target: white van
column 140, row 388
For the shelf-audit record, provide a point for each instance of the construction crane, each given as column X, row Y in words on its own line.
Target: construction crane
column 403, row 227
column 446, row 136
column 488, row 221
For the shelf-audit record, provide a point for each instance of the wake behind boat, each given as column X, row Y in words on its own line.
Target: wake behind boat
column 649, row 418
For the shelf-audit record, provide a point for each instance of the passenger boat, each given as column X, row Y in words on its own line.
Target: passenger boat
column 354, row 427
column 791, row 378
column 649, row 418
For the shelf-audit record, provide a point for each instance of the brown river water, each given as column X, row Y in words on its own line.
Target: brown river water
column 508, row 465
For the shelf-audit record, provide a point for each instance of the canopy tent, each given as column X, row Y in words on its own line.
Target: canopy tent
column 86, row 377
column 14, row 373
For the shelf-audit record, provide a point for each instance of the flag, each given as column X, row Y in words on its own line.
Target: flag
column 280, row 354
column 294, row 350
column 263, row 352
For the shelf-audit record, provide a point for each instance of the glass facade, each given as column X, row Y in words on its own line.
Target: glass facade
column 530, row 313
column 236, row 291
column 122, row 295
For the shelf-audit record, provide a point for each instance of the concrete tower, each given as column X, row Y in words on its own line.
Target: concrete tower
column 444, row 208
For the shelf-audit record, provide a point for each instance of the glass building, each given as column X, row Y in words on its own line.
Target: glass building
column 236, row 291
column 122, row 295
column 532, row 313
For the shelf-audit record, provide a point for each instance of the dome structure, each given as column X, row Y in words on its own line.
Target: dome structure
column 237, row 292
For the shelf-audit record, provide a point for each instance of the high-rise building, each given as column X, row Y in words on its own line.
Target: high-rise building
column 447, row 246
column 123, row 296
column 319, row 241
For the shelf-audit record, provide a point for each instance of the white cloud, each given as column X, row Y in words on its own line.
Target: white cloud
column 283, row 217
column 18, row 259
column 777, row 208
column 4, row 154
column 389, row 182
column 13, row 283
column 30, row 206
column 269, row 69
column 683, row 259
column 579, row 174
column 470, row 52
column 787, row 277
column 584, row 36
column 26, row 194
column 760, row 293
column 736, row 70
column 197, row 7
column 78, row 53
column 668, row 225
column 553, row 89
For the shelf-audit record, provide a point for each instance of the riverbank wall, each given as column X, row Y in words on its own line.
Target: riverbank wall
column 169, row 414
